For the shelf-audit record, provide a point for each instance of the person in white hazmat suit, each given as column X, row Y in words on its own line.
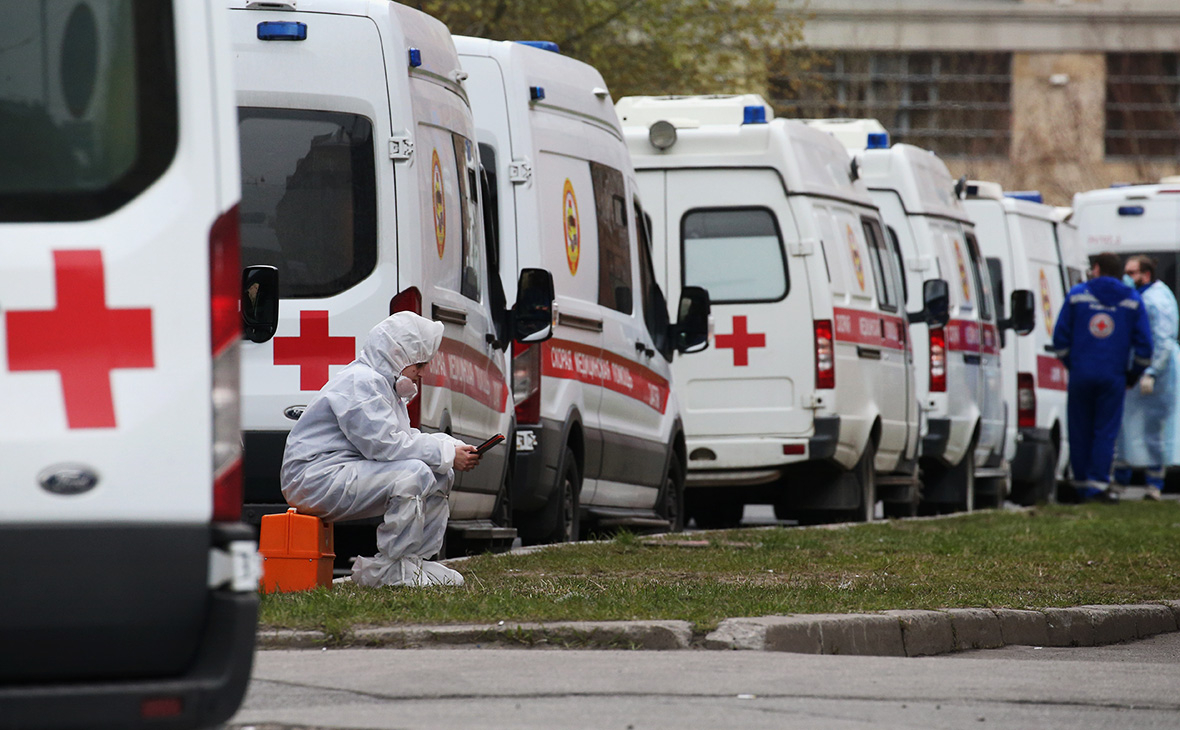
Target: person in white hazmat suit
column 353, row 454
column 1149, row 416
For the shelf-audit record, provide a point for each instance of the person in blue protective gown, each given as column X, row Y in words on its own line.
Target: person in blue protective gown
column 353, row 454
column 1149, row 412
column 1103, row 337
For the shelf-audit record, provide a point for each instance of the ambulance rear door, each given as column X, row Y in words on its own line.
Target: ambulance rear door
column 734, row 229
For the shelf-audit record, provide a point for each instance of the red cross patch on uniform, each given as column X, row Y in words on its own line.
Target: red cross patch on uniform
column 81, row 339
column 1101, row 325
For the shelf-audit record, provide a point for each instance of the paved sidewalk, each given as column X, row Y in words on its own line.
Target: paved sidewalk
column 888, row 633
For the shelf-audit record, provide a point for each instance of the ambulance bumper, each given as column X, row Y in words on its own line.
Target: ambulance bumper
column 127, row 628
column 757, row 460
column 535, row 469
column 938, row 435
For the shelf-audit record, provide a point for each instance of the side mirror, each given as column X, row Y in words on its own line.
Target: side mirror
column 532, row 317
column 691, row 331
column 1023, row 313
column 936, row 304
column 260, row 302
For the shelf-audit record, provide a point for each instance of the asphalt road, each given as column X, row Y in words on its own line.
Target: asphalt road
column 1131, row 685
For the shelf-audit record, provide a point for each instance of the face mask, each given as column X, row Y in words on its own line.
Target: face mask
column 1128, row 280
column 405, row 388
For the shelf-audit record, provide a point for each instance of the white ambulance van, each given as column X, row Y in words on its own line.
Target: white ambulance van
column 1136, row 219
column 1028, row 246
column 361, row 195
column 963, row 439
column 129, row 581
column 806, row 398
column 599, row 432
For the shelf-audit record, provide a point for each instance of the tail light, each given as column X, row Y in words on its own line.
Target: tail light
column 825, row 355
column 937, row 360
column 225, row 277
column 526, row 382
column 1026, row 400
column 410, row 300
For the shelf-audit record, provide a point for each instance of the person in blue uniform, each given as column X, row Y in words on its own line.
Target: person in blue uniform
column 1103, row 337
column 1149, row 414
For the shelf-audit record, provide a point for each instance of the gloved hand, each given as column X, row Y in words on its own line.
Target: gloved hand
column 1146, row 385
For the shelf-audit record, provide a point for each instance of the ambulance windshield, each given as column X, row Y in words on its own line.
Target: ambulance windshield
column 87, row 105
column 734, row 253
column 309, row 200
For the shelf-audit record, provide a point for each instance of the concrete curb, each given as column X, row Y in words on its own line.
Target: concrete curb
column 889, row 633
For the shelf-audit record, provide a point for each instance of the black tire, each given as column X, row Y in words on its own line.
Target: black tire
column 1044, row 490
column 670, row 504
column 559, row 519
column 714, row 509
column 952, row 489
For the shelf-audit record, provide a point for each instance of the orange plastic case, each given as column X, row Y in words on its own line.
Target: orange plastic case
column 297, row 552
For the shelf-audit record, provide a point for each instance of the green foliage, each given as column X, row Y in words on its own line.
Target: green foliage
column 643, row 46
column 1052, row 556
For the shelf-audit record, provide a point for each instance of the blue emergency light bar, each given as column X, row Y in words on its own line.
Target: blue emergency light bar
column 543, row 45
column 282, row 30
column 754, row 115
column 877, row 141
column 536, row 93
column 1130, row 210
column 415, row 58
column 1032, row 196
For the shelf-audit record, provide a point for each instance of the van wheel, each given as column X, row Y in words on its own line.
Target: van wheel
column 952, row 489
column 866, row 480
column 1027, row 493
column 671, row 500
column 558, row 520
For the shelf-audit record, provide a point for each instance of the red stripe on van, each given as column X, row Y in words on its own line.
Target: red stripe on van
column 1051, row 373
column 869, row 328
column 591, row 365
column 963, row 335
column 461, row 368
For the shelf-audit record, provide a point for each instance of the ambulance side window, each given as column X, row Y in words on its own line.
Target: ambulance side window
column 734, row 253
column 905, row 287
column 995, row 270
column 465, row 166
column 88, row 118
column 655, row 306
column 883, row 268
column 491, row 235
column 981, row 286
column 614, row 243
column 309, row 198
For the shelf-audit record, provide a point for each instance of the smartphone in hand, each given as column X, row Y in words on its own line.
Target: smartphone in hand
column 493, row 441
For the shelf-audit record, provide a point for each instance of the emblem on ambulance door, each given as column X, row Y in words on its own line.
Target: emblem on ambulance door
column 1046, row 305
column 857, row 264
column 439, row 200
column 571, row 226
column 1101, row 325
column 962, row 271
column 67, row 479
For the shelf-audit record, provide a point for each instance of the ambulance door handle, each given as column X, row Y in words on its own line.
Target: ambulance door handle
column 868, row 353
column 972, row 359
column 1049, row 349
column 640, row 347
column 446, row 314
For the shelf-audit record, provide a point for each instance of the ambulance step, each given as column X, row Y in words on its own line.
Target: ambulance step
column 617, row 517
column 482, row 530
column 896, row 480
column 995, row 472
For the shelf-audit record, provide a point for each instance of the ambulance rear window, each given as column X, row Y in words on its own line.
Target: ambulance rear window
column 734, row 253
column 88, row 112
column 309, row 198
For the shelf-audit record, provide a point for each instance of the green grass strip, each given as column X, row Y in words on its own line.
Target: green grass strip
column 1039, row 558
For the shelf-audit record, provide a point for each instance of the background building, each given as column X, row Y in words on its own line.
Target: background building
column 1057, row 95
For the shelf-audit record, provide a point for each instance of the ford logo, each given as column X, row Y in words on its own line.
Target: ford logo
column 294, row 412
column 67, row 479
